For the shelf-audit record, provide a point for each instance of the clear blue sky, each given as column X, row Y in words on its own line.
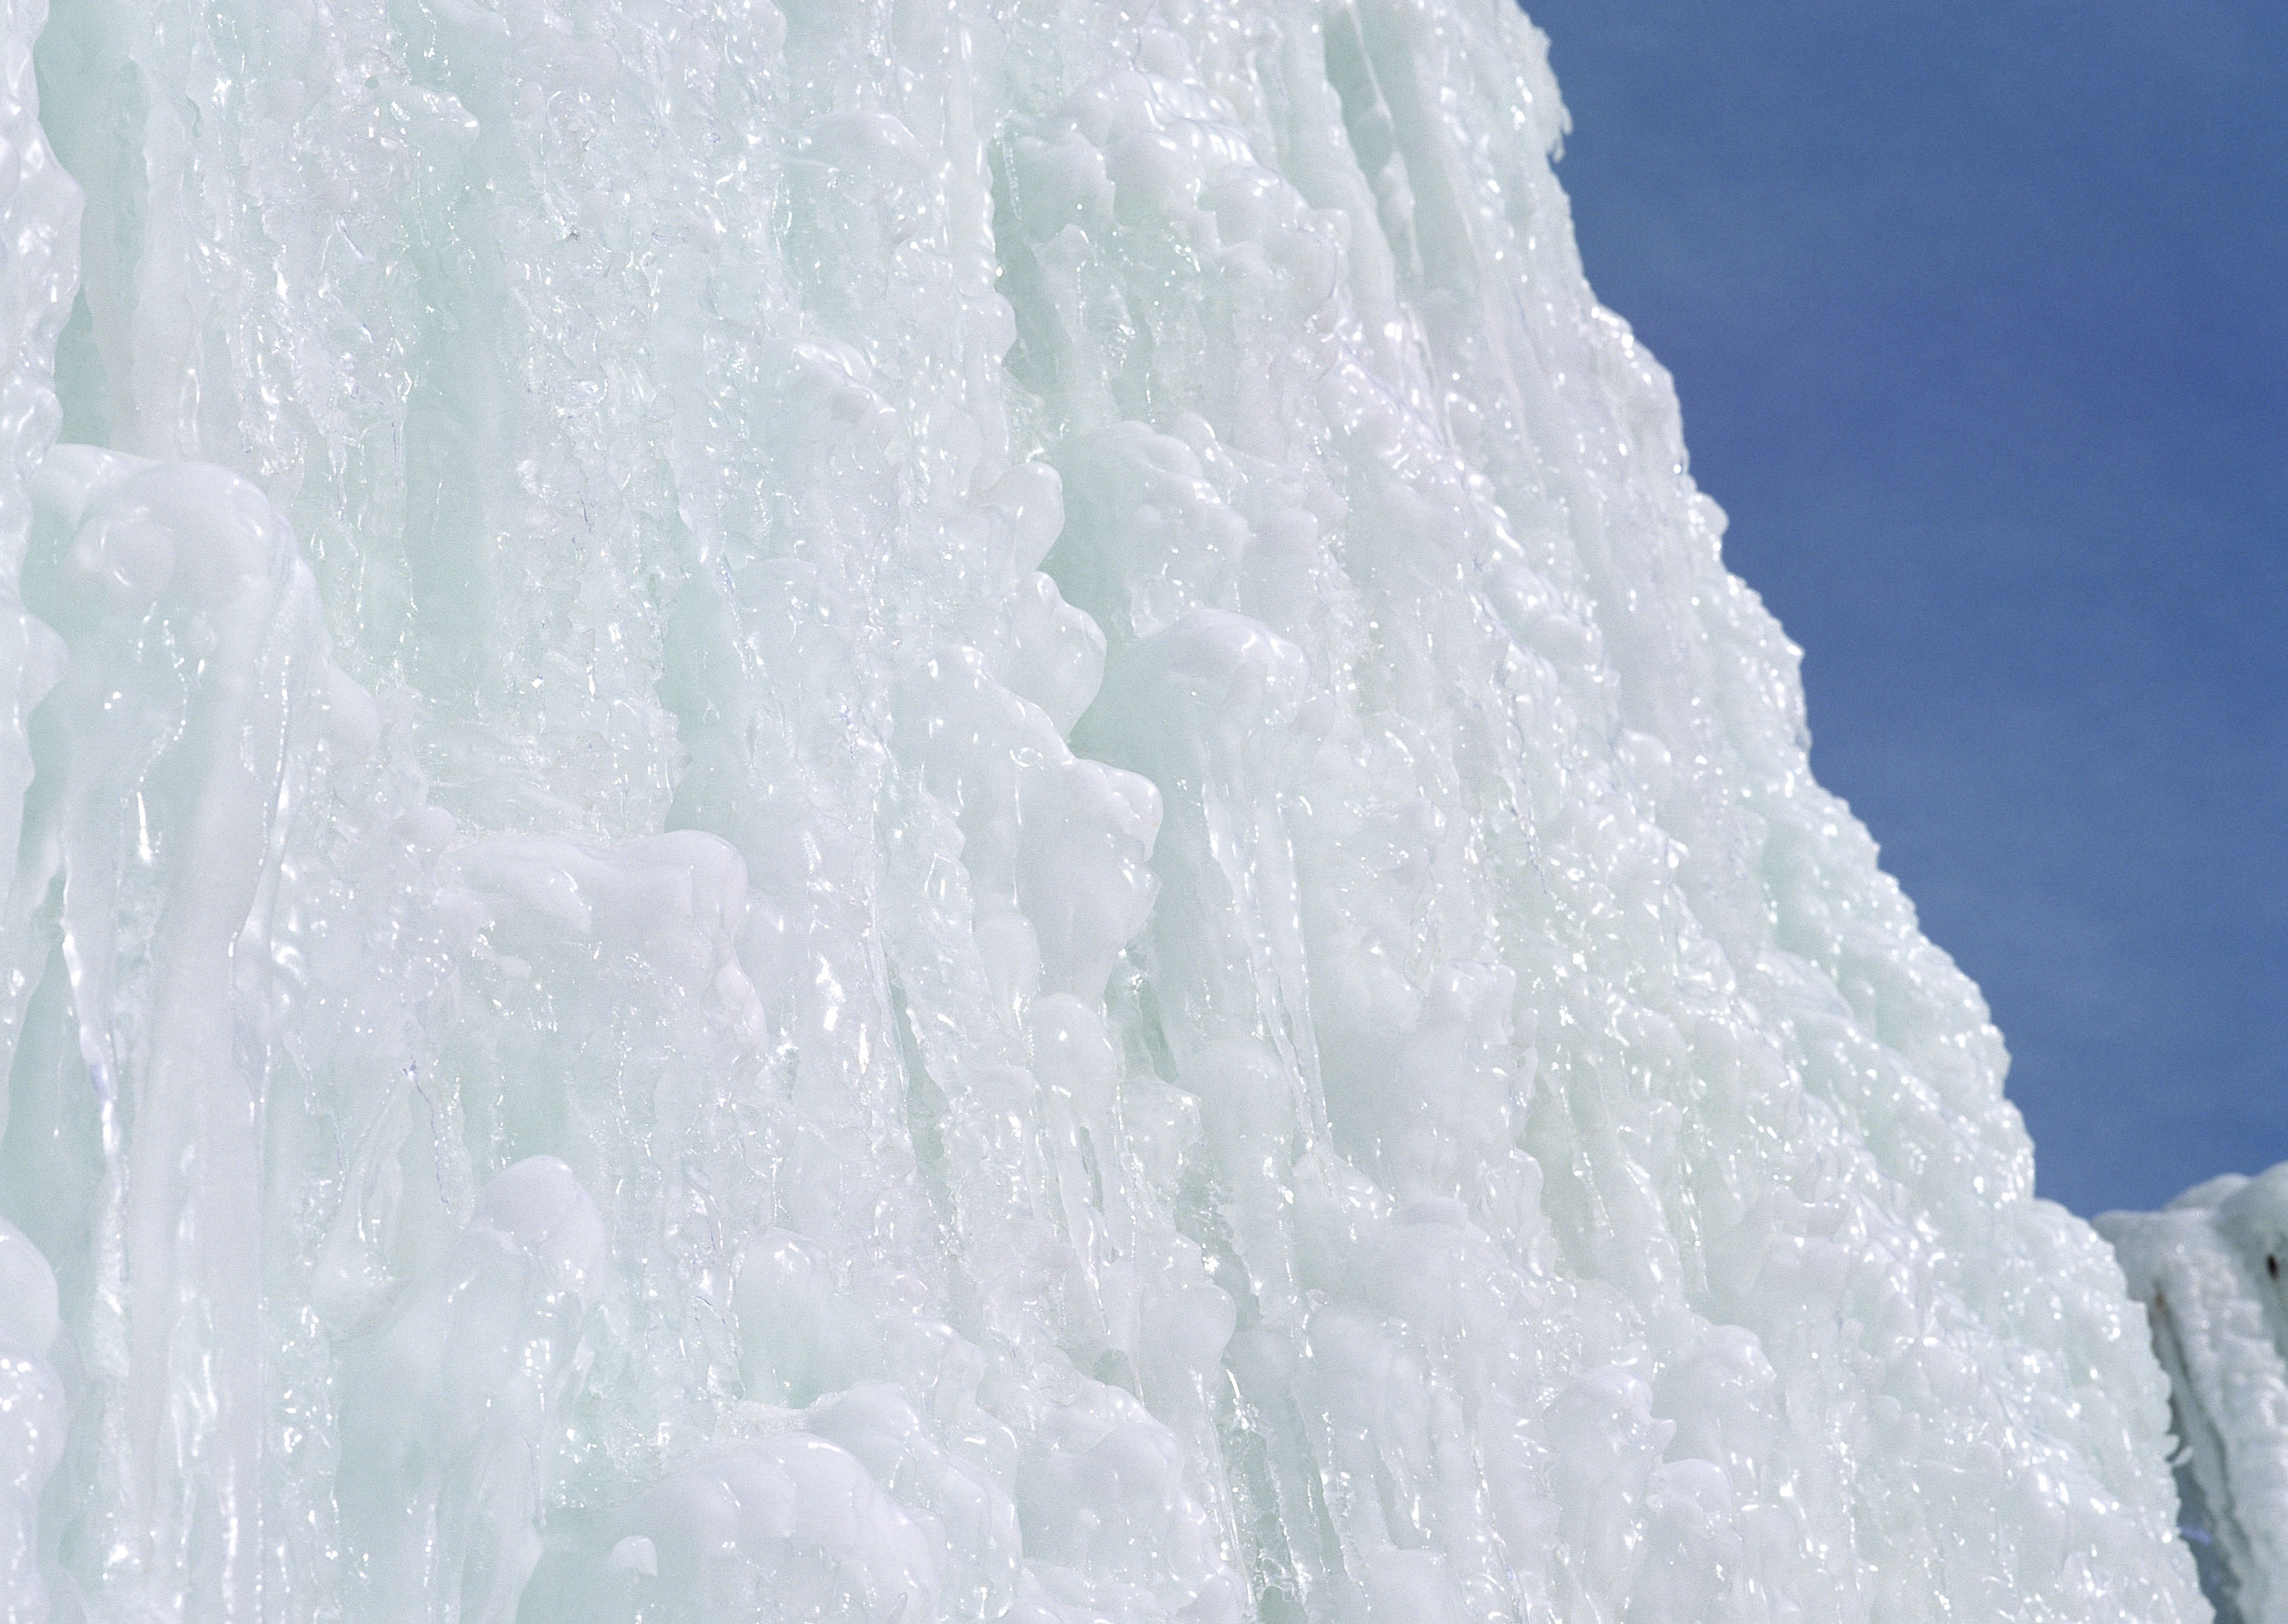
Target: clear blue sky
column 1979, row 314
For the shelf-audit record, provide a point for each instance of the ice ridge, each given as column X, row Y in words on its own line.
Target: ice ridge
column 910, row 810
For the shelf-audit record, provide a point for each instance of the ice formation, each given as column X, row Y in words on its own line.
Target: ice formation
column 2208, row 1268
column 906, row 810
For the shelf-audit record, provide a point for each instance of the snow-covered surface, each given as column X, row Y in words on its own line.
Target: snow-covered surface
column 2209, row 1268
column 946, row 809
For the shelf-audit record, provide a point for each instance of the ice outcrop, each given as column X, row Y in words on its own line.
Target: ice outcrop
column 946, row 809
column 2208, row 1268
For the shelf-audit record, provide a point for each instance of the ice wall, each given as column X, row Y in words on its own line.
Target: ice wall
column 946, row 809
column 2208, row 1268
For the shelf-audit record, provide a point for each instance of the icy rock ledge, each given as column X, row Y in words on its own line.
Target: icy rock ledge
column 945, row 810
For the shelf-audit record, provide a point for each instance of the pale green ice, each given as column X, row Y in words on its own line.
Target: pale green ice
column 946, row 809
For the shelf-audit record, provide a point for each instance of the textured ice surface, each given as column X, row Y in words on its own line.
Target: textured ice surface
column 915, row 810
column 2208, row 1268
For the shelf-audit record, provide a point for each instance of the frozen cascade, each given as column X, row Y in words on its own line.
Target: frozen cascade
column 2209, row 1268
column 907, row 809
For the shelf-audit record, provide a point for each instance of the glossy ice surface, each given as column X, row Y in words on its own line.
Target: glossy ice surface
column 946, row 809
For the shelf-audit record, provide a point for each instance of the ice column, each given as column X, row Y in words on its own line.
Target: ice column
column 2208, row 1268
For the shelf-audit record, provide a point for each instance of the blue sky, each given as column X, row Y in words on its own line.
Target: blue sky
column 1978, row 315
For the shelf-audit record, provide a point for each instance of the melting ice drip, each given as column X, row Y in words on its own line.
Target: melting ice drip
column 946, row 809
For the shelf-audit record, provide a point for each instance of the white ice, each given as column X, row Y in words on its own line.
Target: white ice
column 2208, row 1268
column 913, row 810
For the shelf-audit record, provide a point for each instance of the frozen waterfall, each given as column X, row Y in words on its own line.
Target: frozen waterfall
column 946, row 809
